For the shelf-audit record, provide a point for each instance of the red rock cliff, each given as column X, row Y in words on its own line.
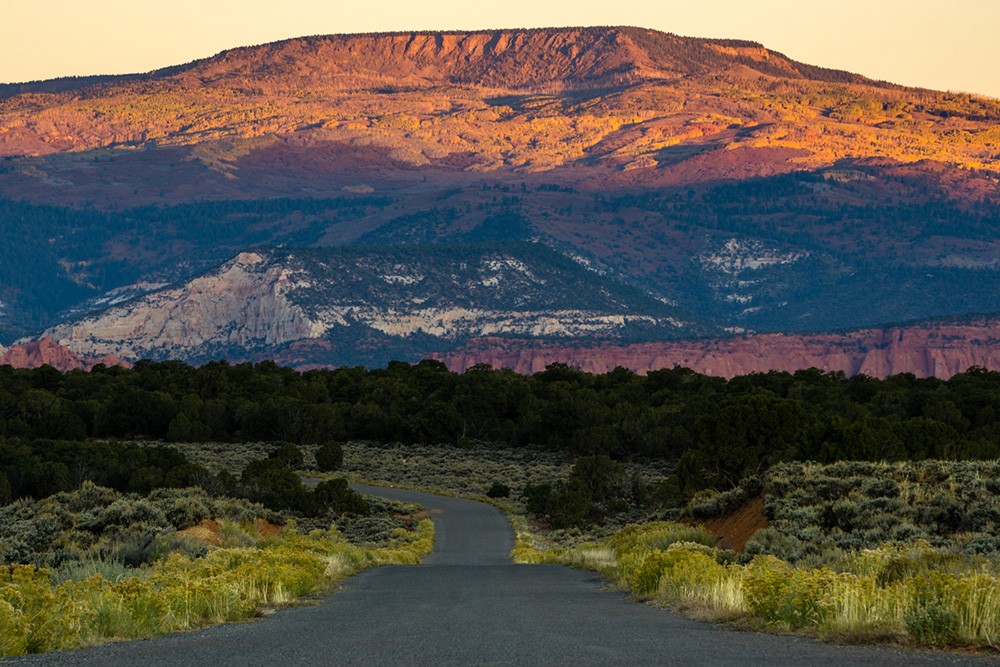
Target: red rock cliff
column 47, row 352
column 940, row 350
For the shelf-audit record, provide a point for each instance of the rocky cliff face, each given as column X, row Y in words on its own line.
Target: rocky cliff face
column 939, row 350
column 243, row 304
column 540, row 59
column 547, row 58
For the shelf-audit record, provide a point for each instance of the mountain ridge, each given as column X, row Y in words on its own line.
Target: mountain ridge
column 646, row 51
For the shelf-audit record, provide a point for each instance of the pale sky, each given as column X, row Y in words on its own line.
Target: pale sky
column 942, row 44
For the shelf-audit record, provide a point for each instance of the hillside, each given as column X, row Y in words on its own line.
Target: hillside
column 748, row 191
column 370, row 306
column 554, row 97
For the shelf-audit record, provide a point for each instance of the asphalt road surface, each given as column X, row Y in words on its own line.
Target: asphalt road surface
column 469, row 605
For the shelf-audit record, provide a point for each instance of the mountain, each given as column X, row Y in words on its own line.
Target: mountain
column 740, row 190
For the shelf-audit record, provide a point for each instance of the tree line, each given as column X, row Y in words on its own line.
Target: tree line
column 717, row 431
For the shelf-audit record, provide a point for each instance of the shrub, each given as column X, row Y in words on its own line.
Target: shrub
column 857, row 505
column 330, row 456
column 182, row 507
column 288, row 454
column 37, row 613
column 930, row 617
column 658, row 535
column 274, row 484
column 931, row 597
column 498, row 490
column 13, row 630
column 536, row 497
column 337, row 496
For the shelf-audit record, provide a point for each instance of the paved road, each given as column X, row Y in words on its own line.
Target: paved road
column 469, row 605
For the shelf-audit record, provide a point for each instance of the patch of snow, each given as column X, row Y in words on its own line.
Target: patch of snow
column 494, row 269
column 402, row 276
column 965, row 262
column 586, row 263
column 736, row 257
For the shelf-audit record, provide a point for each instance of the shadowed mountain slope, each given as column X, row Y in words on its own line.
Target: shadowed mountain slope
column 409, row 299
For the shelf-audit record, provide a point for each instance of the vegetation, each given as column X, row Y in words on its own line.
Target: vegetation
column 38, row 468
column 717, row 432
column 40, row 613
column 908, row 593
column 100, row 525
column 140, row 555
column 95, row 564
column 820, row 514
column 898, row 543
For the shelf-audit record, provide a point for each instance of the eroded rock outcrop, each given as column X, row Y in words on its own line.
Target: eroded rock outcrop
column 243, row 304
column 940, row 350
column 47, row 352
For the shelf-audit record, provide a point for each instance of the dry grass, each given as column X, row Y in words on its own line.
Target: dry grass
column 38, row 613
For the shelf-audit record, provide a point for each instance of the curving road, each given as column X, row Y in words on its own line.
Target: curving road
column 469, row 605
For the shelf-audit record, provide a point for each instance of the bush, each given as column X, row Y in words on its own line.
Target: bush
column 273, row 484
column 931, row 618
column 38, row 614
column 330, row 456
column 819, row 513
column 288, row 454
column 536, row 497
column 335, row 495
column 498, row 490
column 932, row 598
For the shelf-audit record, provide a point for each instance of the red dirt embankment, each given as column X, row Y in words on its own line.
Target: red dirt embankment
column 736, row 528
